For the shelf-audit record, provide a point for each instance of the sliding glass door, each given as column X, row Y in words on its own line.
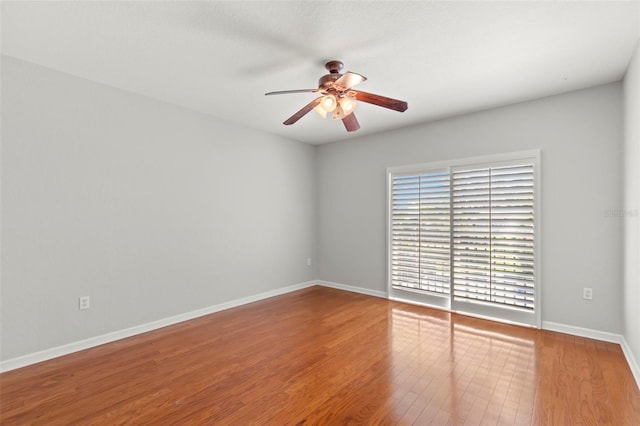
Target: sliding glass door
column 463, row 236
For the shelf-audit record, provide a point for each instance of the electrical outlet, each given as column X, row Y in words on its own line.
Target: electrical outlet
column 308, row 261
column 84, row 302
column 587, row 293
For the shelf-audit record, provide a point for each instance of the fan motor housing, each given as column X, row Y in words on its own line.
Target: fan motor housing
column 326, row 81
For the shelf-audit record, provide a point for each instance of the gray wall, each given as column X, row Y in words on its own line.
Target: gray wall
column 580, row 137
column 150, row 209
column 632, row 205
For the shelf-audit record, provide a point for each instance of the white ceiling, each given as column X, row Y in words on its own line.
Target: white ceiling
column 220, row 57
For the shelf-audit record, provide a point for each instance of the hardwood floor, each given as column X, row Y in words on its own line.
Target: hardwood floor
column 324, row 356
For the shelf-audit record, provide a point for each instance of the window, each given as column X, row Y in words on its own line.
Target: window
column 462, row 236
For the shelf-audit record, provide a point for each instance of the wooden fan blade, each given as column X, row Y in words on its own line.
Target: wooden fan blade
column 351, row 123
column 382, row 101
column 284, row 92
column 348, row 80
column 305, row 109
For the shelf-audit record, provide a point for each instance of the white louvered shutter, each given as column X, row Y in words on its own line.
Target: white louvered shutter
column 493, row 235
column 420, row 232
column 405, row 232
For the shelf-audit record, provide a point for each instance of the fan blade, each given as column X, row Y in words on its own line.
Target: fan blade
column 305, row 109
column 284, row 92
column 351, row 123
column 348, row 80
column 382, row 101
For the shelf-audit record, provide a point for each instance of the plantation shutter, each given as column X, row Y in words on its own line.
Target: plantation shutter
column 405, row 232
column 420, row 232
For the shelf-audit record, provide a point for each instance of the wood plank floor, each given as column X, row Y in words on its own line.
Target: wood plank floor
column 324, row 356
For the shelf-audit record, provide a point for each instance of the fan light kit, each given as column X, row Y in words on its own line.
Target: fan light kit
column 339, row 99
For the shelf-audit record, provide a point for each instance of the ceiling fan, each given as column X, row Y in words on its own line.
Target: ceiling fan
column 339, row 98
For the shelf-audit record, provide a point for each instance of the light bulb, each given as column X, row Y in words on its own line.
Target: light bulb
column 329, row 103
column 321, row 112
column 347, row 104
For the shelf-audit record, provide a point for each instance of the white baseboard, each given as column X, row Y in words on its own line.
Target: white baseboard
column 631, row 360
column 47, row 354
column 582, row 332
column 353, row 289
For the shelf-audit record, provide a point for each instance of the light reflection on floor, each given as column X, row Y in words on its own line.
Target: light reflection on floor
column 446, row 367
